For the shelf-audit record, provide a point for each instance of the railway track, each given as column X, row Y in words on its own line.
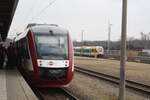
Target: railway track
column 54, row 94
column 51, row 93
column 131, row 58
column 137, row 87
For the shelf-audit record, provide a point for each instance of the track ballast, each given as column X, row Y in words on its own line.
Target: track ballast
column 138, row 87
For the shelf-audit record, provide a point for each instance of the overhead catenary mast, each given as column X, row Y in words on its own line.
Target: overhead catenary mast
column 123, row 51
column 109, row 39
column 82, row 37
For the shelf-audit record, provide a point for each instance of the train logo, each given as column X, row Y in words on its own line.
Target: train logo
column 51, row 63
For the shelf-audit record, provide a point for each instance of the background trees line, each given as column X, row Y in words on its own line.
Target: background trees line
column 132, row 43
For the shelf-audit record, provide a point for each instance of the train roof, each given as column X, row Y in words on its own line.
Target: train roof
column 88, row 47
column 42, row 28
column 46, row 28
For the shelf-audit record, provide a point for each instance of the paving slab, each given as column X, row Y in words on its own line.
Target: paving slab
column 3, row 90
column 14, row 87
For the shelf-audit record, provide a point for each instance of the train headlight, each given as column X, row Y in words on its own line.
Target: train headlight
column 39, row 63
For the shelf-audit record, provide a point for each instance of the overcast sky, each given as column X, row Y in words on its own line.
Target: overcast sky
column 92, row 16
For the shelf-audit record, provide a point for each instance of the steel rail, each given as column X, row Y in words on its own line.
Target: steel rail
column 38, row 93
column 53, row 94
column 69, row 94
column 131, row 58
column 138, row 87
column 44, row 95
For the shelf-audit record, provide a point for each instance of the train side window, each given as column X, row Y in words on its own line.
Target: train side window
column 78, row 50
column 26, row 51
column 100, row 49
column 83, row 50
column 23, row 48
column 88, row 50
column 93, row 50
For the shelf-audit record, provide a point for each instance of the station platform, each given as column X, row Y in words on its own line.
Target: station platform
column 14, row 87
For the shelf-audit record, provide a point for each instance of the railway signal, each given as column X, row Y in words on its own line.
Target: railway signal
column 123, row 51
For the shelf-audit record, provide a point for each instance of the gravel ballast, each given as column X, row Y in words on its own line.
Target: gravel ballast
column 89, row 88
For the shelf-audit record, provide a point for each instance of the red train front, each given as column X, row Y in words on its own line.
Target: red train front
column 46, row 54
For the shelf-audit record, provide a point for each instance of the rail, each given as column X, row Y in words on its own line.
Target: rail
column 54, row 94
column 138, row 87
column 132, row 58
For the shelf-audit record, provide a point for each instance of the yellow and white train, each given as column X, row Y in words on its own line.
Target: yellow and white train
column 95, row 51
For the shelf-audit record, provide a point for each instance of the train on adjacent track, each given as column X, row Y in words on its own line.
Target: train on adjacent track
column 45, row 54
column 94, row 51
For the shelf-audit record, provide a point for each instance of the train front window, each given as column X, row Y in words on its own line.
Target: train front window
column 52, row 47
column 100, row 49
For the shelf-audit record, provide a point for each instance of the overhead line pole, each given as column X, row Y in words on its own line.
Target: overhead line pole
column 123, row 51
column 109, row 36
column 82, row 37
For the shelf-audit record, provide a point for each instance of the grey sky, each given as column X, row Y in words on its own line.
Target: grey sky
column 92, row 16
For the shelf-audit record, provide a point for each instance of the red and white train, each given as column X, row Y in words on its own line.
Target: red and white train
column 45, row 53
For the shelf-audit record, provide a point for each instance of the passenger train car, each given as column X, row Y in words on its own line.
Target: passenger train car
column 46, row 54
column 95, row 51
